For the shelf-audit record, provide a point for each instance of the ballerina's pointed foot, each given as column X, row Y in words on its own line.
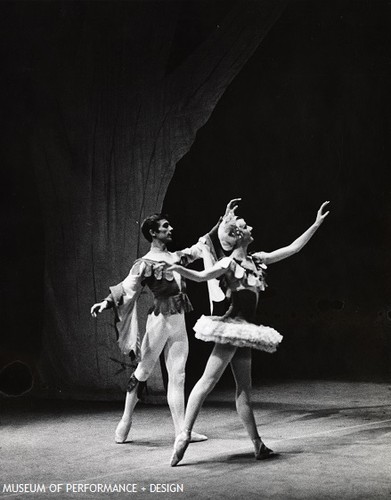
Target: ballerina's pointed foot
column 180, row 446
column 197, row 438
column 261, row 451
column 122, row 431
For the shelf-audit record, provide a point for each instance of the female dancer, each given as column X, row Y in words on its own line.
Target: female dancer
column 236, row 332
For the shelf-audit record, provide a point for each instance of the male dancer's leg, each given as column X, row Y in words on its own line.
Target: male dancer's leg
column 175, row 353
column 152, row 345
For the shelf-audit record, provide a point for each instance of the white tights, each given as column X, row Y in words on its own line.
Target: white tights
column 168, row 334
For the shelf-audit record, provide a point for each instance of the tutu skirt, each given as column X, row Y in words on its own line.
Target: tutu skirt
column 237, row 332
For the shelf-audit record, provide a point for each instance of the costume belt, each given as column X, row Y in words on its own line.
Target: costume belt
column 172, row 304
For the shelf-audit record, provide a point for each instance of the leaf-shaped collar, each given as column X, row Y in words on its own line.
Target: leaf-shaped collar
column 250, row 276
column 157, row 269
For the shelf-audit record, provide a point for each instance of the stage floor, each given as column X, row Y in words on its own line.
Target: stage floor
column 332, row 441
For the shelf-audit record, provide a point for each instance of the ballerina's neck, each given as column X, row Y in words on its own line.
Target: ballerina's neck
column 239, row 253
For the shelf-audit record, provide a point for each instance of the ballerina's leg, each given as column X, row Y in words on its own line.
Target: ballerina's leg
column 241, row 369
column 217, row 363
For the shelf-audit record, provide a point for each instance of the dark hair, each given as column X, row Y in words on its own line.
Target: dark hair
column 151, row 223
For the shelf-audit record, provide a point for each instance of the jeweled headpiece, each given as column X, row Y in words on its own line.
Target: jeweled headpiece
column 228, row 232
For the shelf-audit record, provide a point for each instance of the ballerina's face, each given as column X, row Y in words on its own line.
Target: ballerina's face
column 245, row 231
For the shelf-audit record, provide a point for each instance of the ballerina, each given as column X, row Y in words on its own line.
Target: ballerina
column 236, row 332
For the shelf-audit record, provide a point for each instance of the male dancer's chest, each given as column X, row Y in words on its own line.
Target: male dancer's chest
column 161, row 281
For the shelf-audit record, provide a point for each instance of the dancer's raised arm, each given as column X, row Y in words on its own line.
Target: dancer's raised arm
column 298, row 244
column 211, row 238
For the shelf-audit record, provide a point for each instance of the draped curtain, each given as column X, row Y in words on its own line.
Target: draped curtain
column 112, row 117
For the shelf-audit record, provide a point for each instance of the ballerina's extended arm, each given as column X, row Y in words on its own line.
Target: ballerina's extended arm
column 298, row 244
column 217, row 270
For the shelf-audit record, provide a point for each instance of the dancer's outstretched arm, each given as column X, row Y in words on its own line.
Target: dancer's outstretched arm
column 298, row 244
column 214, row 272
column 123, row 292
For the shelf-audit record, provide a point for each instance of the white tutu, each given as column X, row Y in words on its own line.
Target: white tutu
column 238, row 332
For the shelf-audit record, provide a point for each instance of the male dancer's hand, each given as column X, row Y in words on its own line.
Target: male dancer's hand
column 98, row 308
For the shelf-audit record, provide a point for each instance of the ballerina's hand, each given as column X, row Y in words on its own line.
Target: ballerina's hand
column 174, row 267
column 320, row 216
column 232, row 206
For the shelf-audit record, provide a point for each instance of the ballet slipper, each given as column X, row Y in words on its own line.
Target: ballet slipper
column 197, row 438
column 122, row 431
column 181, row 443
column 261, row 451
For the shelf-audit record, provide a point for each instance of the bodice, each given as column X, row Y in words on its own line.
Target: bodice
column 246, row 274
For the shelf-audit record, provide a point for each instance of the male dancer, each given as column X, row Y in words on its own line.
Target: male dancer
column 165, row 329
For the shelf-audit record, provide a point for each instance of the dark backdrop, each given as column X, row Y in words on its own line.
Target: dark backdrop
column 306, row 120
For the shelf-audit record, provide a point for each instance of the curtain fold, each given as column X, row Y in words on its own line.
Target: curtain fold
column 112, row 123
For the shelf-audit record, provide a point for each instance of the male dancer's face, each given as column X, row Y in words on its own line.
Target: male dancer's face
column 164, row 232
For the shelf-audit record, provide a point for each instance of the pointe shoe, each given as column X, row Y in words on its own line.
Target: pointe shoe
column 180, row 446
column 197, row 438
column 261, row 451
column 122, row 431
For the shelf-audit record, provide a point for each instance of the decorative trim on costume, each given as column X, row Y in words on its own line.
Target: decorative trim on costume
column 174, row 304
column 246, row 275
column 126, row 321
column 156, row 268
